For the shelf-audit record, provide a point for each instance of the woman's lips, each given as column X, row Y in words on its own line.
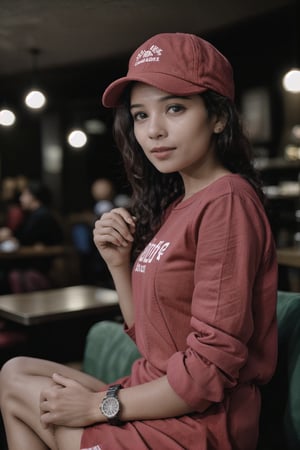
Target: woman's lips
column 162, row 152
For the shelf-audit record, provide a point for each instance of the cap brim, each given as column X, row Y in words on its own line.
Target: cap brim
column 164, row 82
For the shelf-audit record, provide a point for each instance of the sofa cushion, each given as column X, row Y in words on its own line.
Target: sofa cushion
column 109, row 352
column 288, row 312
column 280, row 417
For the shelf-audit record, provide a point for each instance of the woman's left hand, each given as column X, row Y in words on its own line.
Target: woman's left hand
column 67, row 403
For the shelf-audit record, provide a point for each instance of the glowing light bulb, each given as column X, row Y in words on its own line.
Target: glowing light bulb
column 77, row 138
column 35, row 99
column 7, row 117
column 291, row 81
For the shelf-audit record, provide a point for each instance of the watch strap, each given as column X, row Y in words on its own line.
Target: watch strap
column 113, row 390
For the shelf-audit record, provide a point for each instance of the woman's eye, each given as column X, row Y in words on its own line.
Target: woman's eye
column 139, row 116
column 176, row 108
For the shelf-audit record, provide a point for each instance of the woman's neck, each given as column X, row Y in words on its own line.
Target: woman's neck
column 193, row 185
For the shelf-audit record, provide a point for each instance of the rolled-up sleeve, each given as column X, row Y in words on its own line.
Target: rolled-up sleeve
column 232, row 243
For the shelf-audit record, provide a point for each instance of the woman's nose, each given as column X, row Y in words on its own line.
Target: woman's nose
column 156, row 128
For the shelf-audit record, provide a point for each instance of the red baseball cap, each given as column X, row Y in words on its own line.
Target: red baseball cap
column 178, row 63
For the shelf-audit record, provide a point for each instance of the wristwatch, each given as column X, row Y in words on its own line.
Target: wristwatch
column 110, row 405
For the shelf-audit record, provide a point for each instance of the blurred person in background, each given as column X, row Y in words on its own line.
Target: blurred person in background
column 104, row 194
column 93, row 269
column 11, row 216
column 11, row 210
column 40, row 227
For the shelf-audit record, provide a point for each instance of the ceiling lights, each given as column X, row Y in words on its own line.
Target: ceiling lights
column 35, row 98
column 77, row 138
column 7, row 117
column 291, row 81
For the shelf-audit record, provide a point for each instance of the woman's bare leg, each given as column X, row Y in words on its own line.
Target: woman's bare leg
column 68, row 438
column 21, row 381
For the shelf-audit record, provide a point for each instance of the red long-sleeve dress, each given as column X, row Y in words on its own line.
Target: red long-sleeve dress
column 205, row 292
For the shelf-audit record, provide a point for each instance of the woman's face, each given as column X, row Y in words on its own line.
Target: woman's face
column 175, row 133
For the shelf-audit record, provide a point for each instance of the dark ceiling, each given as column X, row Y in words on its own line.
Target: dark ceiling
column 76, row 31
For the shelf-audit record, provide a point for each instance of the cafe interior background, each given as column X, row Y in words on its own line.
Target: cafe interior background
column 71, row 50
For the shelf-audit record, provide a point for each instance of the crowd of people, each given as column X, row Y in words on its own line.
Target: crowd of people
column 28, row 218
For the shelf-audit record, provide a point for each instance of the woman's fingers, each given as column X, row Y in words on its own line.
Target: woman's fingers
column 68, row 403
column 45, row 405
column 44, row 409
column 116, row 227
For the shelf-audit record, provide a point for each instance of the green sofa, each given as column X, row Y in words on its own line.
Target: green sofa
column 109, row 354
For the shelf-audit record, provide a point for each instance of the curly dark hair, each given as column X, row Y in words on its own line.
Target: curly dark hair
column 153, row 191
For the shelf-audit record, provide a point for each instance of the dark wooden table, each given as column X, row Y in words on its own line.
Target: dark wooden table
column 63, row 261
column 57, row 320
column 57, row 304
column 33, row 252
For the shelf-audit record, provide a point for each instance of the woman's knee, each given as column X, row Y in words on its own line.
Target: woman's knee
column 15, row 366
column 11, row 375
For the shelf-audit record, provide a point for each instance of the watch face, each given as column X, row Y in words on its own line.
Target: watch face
column 110, row 407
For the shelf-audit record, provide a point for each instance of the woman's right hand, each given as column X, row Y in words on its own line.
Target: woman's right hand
column 113, row 236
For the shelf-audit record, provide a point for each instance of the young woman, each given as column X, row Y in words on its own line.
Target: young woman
column 200, row 298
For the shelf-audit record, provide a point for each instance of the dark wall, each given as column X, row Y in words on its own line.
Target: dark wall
column 260, row 50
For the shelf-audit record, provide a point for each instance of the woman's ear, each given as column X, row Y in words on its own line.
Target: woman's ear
column 220, row 125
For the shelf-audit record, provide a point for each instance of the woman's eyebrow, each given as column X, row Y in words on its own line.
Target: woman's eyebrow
column 163, row 99
column 136, row 105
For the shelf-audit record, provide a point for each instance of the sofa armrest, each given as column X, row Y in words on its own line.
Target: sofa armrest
column 288, row 313
column 109, row 352
column 280, row 418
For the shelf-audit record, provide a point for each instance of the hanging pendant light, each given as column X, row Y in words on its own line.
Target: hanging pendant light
column 291, row 79
column 77, row 138
column 35, row 98
column 7, row 117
